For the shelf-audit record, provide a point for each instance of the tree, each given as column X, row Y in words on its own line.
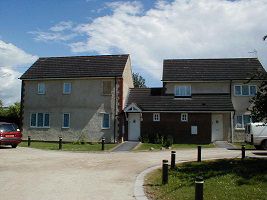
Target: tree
column 259, row 101
column 139, row 81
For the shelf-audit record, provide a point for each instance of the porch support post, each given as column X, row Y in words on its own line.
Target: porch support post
column 232, row 127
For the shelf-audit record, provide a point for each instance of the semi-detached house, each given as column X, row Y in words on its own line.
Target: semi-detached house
column 201, row 101
column 79, row 97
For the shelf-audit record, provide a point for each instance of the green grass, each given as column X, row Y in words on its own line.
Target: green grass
column 67, row 146
column 147, row 146
column 233, row 179
column 248, row 146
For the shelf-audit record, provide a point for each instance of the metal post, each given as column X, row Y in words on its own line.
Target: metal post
column 60, row 143
column 29, row 141
column 198, row 153
column 243, row 149
column 103, row 143
column 199, row 188
column 164, row 172
column 173, row 154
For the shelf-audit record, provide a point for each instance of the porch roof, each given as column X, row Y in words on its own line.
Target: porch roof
column 199, row 102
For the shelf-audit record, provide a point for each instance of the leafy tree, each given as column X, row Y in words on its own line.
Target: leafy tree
column 13, row 111
column 139, row 81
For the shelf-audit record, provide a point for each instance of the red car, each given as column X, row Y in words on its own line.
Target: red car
column 10, row 134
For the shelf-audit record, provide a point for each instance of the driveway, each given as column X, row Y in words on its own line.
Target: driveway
column 30, row 174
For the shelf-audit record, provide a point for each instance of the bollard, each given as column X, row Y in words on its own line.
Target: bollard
column 243, row 149
column 103, row 143
column 199, row 188
column 60, row 143
column 198, row 153
column 173, row 154
column 164, row 172
column 29, row 141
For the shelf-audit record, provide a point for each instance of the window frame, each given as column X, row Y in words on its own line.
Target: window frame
column 70, row 86
column 103, row 82
column 36, row 120
column 241, row 90
column 63, row 125
column 39, row 88
column 186, row 117
column 194, row 130
column 156, row 117
column 242, row 118
column 183, row 96
column 103, row 114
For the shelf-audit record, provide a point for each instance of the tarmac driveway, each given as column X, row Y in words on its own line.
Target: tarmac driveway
column 32, row 174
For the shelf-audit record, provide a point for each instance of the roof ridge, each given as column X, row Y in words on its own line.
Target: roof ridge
column 232, row 58
column 84, row 56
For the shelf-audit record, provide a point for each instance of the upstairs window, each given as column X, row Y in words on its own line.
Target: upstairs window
column 182, row 91
column 106, row 87
column 245, row 90
column 41, row 88
column 66, row 88
column 156, row 117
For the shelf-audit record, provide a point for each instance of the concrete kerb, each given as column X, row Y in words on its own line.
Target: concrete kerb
column 139, row 192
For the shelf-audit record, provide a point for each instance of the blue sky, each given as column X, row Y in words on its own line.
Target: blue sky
column 149, row 30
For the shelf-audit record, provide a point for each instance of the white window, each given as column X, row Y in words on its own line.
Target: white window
column 194, row 130
column 40, row 120
column 106, row 87
column 183, row 91
column 105, row 121
column 66, row 88
column 184, row 117
column 242, row 120
column 66, row 120
column 245, row 90
column 156, row 117
column 41, row 88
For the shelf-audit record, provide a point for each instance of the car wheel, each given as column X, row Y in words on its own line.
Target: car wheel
column 14, row 145
column 264, row 144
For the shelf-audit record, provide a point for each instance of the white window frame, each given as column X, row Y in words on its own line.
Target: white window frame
column 179, row 95
column 241, row 87
column 64, row 91
column 63, row 120
column 103, row 121
column 39, row 88
column 242, row 125
column 36, row 120
column 156, row 117
column 184, row 117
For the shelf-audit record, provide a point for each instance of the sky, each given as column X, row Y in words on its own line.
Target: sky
column 148, row 30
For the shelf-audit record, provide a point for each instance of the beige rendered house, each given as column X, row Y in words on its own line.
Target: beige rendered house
column 201, row 101
column 79, row 97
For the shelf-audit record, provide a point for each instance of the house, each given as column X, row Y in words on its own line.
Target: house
column 201, row 101
column 78, row 97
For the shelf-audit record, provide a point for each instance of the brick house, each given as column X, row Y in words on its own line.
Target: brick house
column 201, row 101
column 78, row 97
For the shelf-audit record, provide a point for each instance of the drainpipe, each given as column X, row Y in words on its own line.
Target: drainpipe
column 232, row 128
column 115, row 109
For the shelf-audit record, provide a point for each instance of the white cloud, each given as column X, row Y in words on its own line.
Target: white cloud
column 61, row 26
column 10, row 57
column 180, row 29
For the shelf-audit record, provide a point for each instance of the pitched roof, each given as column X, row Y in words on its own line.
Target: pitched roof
column 199, row 102
column 77, row 66
column 210, row 69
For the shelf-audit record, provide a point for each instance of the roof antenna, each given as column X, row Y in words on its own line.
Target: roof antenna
column 255, row 52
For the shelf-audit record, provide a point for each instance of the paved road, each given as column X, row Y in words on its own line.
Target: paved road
column 30, row 174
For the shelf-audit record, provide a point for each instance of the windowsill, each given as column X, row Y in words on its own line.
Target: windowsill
column 66, row 93
column 105, row 128
column 239, row 129
column 156, row 121
column 65, row 127
column 184, row 121
column 45, row 127
column 41, row 93
column 182, row 98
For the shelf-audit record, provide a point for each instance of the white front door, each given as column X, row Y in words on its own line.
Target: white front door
column 134, row 126
column 217, row 127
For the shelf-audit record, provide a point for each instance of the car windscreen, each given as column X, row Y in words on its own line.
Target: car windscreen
column 8, row 127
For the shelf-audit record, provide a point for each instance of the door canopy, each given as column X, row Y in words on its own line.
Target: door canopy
column 132, row 108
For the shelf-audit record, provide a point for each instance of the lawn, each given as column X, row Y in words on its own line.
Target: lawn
column 248, row 146
column 233, row 179
column 147, row 146
column 67, row 146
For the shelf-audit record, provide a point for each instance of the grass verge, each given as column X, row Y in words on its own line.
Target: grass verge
column 248, row 146
column 233, row 179
column 67, row 146
column 148, row 146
